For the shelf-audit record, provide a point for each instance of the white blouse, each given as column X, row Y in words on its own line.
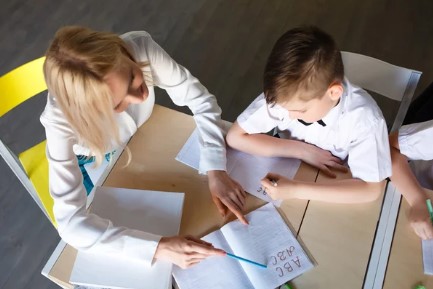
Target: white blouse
column 355, row 129
column 86, row 231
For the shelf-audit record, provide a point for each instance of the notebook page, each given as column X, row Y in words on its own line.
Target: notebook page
column 246, row 169
column 267, row 240
column 427, row 256
column 213, row 272
column 149, row 211
column 249, row 169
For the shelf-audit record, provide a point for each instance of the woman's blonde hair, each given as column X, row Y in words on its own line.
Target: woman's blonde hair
column 76, row 63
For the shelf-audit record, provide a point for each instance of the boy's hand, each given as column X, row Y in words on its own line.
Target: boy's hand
column 227, row 194
column 185, row 251
column 322, row 159
column 278, row 187
column 419, row 218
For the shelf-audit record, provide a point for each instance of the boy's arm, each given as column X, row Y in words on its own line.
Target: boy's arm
column 268, row 146
column 404, row 180
column 262, row 144
column 393, row 140
column 408, row 186
column 339, row 191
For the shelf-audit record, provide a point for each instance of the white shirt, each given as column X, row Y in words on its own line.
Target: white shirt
column 416, row 140
column 355, row 128
column 89, row 232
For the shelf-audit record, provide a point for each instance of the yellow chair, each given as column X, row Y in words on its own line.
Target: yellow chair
column 30, row 166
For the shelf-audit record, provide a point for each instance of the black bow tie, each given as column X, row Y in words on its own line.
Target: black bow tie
column 310, row 123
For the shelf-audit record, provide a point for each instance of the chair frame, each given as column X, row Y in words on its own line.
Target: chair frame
column 409, row 88
column 15, row 164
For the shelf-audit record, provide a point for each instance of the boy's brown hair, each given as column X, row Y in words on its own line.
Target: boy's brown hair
column 305, row 61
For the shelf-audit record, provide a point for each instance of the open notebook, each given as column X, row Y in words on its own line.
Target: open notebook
column 246, row 169
column 149, row 211
column 266, row 240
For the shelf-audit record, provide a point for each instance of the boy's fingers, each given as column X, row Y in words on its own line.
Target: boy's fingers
column 266, row 183
column 328, row 172
column 272, row 176
column 422, row 234
column 337, row 160
column 429, row 231
column 339, row 167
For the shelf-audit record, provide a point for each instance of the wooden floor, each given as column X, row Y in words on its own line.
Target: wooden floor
column 223, row 43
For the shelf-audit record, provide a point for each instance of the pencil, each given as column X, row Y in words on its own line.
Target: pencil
column 246, row 260
column 430, row 209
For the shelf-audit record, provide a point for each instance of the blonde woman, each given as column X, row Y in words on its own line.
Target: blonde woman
column 100, row 91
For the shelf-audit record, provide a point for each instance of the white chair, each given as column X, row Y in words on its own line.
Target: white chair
column 394, row 82
column 398, row 84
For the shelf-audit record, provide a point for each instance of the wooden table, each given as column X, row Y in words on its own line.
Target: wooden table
column 338, row 237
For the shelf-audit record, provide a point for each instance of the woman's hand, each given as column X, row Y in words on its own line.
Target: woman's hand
column 185, row 251
column 419, row 219
column 279, row 187
column 322, row 159
column 227, row 194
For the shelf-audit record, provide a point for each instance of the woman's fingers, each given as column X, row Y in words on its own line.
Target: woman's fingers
column 222, row 209
column 203, row 250
column 192, row 238
column 236, row 210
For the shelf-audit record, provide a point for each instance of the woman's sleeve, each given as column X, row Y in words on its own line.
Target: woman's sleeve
column 184, row 89
column 83, row 230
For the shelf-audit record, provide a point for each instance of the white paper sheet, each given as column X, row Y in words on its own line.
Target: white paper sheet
column 246, row 169
column 149, row 211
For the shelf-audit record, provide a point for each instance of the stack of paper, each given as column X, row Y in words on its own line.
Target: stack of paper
column 266, row 240
column 149, row 211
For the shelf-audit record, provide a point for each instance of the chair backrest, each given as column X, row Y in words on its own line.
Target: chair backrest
column 30, row 166
column 394, row 82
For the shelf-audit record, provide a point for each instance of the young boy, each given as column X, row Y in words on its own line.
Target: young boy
column 413, row 142
column 322, row 119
